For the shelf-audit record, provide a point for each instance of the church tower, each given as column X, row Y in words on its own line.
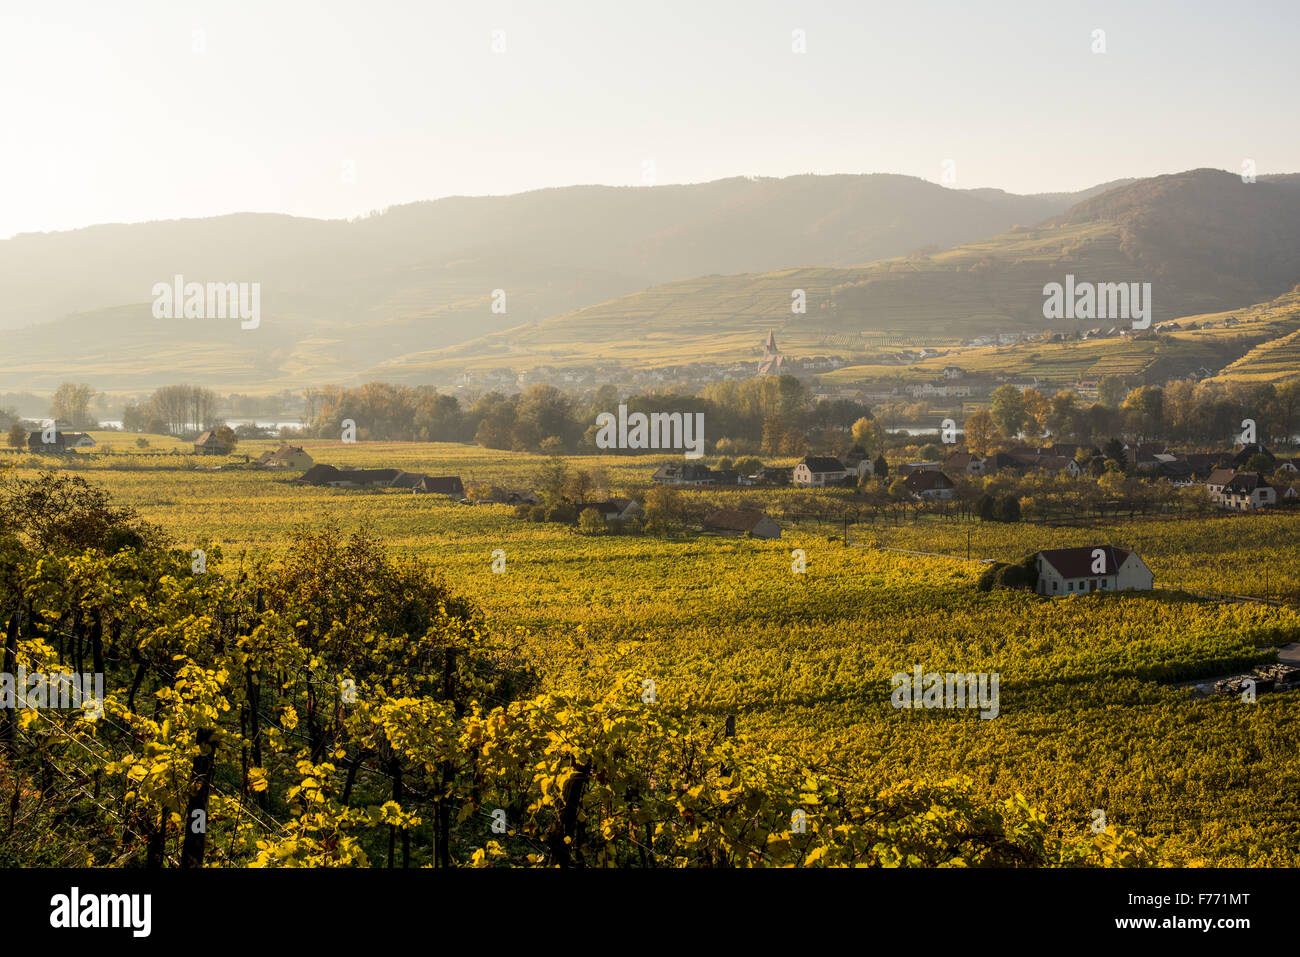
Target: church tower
column 773, row 361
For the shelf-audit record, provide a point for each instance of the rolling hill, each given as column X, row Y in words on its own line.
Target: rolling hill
column 657, row 276
column 1257, row 343
column 340, row 298
column 1206, row 241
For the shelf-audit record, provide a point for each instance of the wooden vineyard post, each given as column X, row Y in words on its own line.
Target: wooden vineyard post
column 196, row 813
column 10, row 667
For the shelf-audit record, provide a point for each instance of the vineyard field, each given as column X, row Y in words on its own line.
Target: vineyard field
column 1091, row 714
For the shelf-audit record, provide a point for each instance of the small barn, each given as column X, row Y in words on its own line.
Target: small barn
column 441, row 485
column 322, row 475
column 617, row 509
column 209, row 443
column 36, row 442
column 929, row 484
column 742, row 521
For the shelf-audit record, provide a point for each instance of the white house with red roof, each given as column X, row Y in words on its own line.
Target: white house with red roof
column 1090, row 568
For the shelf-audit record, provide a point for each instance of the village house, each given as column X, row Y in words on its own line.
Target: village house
column 449, row 485
column 1069, row 450
column 964, row 462
column 1216, row 482
column 77, row 440
column 369, row 478
column 1058, row 463
column 407, row 480
column 1178, row 473
column 999, row 461
column 328, row 475
column 209, row 443
column 685, row 474
column 1091, row 568
column 1204, row 463
column 929, row 484
column 858, row 463
column 1242, row 458
column 818, row 471
column 775, row 475
column 1143, row 455
column 285, row 457
column 616, row 509
column 1246, row 491
column 742, row 521
column 36, row 442
column 321, row 475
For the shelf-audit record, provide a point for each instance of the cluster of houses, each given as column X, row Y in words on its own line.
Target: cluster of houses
column 692, row 374
column 1055, row 458
column 1229, row 486
column 1242, row 491
column 286, row 457
column 813, row 471
column 924, row 480
column 418, row 482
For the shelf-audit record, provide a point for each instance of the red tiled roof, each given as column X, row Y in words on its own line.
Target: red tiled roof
column 733, row 519
column 925, row 480
column 1077, row 562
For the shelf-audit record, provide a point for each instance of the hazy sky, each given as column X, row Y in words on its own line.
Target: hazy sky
column 120, row 112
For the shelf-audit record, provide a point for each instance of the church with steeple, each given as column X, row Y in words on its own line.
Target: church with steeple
column 773, row 362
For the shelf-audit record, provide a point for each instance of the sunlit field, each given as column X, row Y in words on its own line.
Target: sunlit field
column 1090, row 714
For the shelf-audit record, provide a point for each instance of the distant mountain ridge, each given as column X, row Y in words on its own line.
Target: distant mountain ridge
column 341, row 296
column 643, row 275
column 1204, row 239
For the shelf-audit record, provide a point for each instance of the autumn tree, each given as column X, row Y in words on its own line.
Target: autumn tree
column 1038, row 410
column 981, row 433
column 71, row 403
column 869, row 435
column 1008, row 410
